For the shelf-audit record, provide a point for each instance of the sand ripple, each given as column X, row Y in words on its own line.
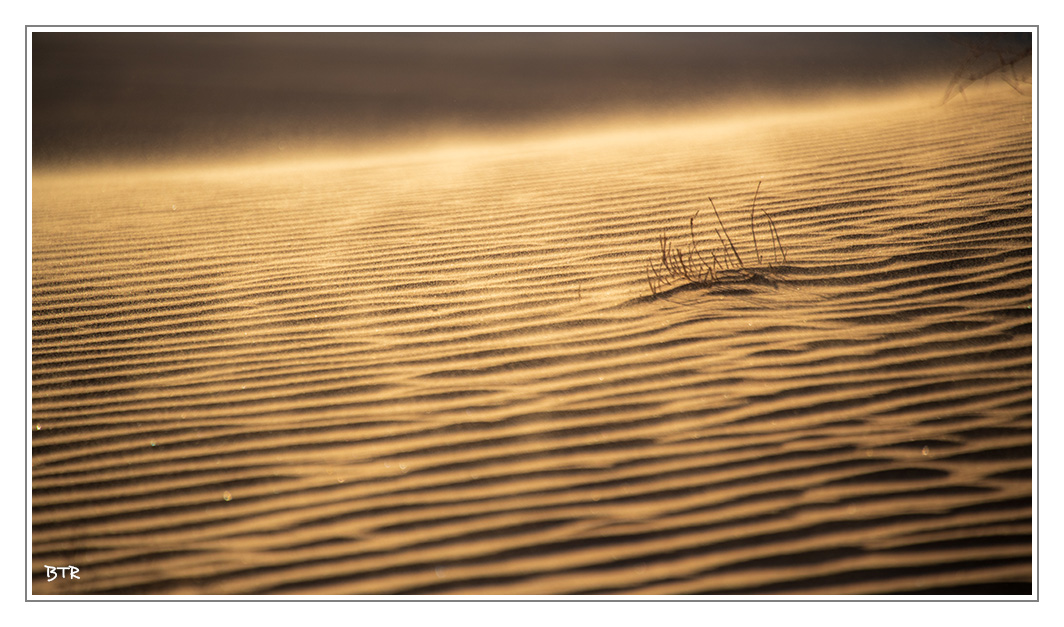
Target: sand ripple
column 431, row 374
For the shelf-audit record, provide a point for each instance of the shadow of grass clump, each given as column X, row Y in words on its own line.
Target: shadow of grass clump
column 679, row 267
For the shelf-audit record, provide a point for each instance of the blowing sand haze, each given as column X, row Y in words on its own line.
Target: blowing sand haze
column 442, row 369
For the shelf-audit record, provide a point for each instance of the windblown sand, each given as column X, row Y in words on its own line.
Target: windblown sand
column 442, row 371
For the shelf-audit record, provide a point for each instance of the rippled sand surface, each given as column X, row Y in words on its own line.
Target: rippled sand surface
column 443, row 371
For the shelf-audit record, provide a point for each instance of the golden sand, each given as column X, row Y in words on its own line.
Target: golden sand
column 443, row 371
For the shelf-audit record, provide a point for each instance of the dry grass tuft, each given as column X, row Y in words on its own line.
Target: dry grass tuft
column 677, row 266
column 1007, row 55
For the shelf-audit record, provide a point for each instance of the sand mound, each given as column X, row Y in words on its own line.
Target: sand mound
column 442, row 372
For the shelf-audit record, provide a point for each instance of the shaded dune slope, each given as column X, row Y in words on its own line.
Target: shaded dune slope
column 434, row 373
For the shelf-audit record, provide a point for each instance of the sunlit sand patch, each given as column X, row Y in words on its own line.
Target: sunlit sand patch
column 443, row 371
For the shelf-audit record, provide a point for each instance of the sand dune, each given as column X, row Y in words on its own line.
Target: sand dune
column 444, row 372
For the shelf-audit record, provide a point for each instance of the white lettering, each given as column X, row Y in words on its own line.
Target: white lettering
column 50, row 571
